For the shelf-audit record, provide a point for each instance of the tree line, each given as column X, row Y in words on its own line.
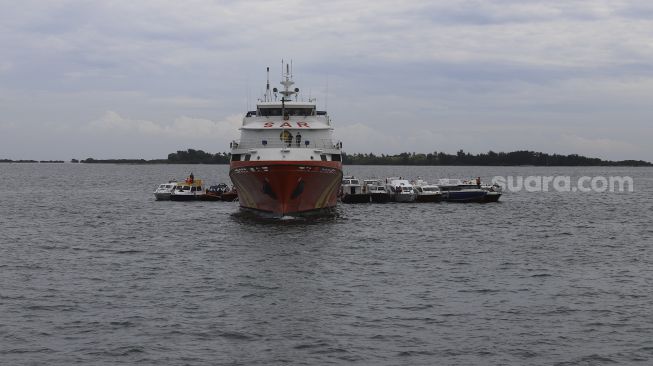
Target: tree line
column 490, row 158
column 522, row 157
column 190, row 156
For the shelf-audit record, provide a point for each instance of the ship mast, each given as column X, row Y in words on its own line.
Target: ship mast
column 268, row 97
column 286, row 92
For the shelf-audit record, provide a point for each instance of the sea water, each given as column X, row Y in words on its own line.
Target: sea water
column 94, row 271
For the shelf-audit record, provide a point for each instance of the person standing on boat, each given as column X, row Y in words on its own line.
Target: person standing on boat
column 478, row 182
column 298, row 139
column 191, row 178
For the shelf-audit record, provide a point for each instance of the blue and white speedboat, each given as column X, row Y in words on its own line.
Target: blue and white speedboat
column 455, row 190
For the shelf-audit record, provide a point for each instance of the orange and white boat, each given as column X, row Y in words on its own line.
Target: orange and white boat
column 286, row 161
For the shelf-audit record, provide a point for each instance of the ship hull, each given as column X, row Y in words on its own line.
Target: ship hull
column 281, row 188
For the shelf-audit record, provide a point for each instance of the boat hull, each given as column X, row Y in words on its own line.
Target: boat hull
column 287, row 187
column 380, row 197
column 465, row 196
column 355, row 198
column 227, row 197
column 492, row 197
column 183, row 197
column 403, row 197
column 162, row 196
column 428, row 198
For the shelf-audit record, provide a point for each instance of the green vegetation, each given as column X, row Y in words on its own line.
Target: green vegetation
column 489, row 158
column 192, row 156
column 123, row 161
column 17, row 161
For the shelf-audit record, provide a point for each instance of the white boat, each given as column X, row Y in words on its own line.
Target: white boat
column 286, row 161
column 353, row 191
column 400, row 190
column 377, row 191
column 163, row 191
column 427, row 192
column 188, row 190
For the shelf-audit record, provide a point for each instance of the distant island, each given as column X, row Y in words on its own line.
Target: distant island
column 491, row 158
column 31, row 161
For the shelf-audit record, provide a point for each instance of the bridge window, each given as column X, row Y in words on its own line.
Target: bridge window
column 271, row 112
column 267, row 112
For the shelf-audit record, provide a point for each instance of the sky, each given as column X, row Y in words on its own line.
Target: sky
column 142, row 79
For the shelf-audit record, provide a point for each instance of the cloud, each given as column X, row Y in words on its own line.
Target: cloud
column 7, row 126
column 601, row 147
column 182, row 127
column 449, row 72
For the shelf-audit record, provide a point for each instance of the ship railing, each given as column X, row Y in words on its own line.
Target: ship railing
column 276, row 143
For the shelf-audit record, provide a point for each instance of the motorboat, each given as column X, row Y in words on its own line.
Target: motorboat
column 493, row 191
column 163, row 191
column 376, row 190
column 400, row 190
column 427, row 192
column 188, row 190
column 220, row 192
column 353, row 191
column 286, row 162
column 455, row 190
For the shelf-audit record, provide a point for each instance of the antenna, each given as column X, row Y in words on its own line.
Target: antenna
column 267, row 87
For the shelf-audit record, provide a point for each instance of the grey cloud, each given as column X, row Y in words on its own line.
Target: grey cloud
column 466, row 73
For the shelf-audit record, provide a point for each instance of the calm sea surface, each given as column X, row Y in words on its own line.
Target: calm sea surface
column 94, row 271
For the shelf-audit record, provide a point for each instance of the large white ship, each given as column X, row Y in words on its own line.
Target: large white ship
column 286, row 161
